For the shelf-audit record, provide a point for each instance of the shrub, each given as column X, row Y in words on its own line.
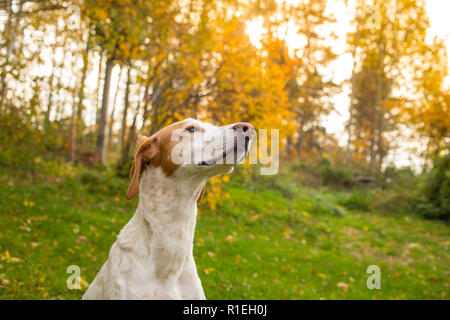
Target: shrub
column 396, row 200
column 359, row 200
column 123, row 169
column 436, row 191
column 334, row 174
column 19, row 142
column 102, row 181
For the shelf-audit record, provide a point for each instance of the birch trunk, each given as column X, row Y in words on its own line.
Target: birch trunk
column 100, row 150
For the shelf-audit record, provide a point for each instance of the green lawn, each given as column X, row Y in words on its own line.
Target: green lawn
column 258, row 244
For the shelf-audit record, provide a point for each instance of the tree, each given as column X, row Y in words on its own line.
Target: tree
column 122, row 29
column 307, row 90
column 386, row 41
column 430, row 113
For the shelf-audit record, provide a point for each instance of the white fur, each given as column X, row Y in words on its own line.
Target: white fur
column 153, row 255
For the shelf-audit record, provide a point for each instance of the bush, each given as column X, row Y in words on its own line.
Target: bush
column 334, row 174
column 102, row 181
column 436, row 201
column 123, row 169
column 398, row 178
column 396, row 200
column 359, row 200
column 19, row 142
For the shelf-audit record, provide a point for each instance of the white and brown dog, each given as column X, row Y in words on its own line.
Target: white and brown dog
column 153, row 255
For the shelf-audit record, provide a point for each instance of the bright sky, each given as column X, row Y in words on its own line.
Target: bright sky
column 341, row 69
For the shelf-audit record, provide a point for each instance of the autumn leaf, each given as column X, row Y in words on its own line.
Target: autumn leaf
column 81, row 239
column 208, row 270
column 343, row 286
column 35, row 244
column 28, row 203
column 24, row 228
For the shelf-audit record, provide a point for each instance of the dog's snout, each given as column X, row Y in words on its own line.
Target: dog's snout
column 243, row 126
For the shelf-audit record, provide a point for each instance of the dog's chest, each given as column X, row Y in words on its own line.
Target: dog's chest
column 157, row 266
column 153, row 257
column 168, row 276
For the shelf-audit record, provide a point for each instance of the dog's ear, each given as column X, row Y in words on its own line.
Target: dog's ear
column 201, row 194
column 146, row 151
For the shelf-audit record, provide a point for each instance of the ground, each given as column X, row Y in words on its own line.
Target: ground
column 259, row 243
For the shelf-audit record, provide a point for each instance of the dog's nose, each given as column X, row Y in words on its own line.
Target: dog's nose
column 244, row 126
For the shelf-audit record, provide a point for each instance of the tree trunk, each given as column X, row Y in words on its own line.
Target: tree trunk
column 111, row 119
column 77, row 107
column 50, row 84
column 99, row 79
column 73, row 131
column 125, row 109
column 301, row 134
column 10, row 34
column 131, row 138
column 129, row 141
column 100, row 150
column 348, row 152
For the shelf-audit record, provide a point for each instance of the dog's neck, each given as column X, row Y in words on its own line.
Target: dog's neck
column 168, row 199
column 162, row 229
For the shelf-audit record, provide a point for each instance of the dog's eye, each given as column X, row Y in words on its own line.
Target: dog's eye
column 191, row 129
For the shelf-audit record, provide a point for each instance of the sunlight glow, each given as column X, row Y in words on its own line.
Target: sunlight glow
column 340, row 70
column 255, row 31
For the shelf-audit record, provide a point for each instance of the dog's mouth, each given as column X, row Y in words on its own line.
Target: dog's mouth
column 205, row 164
column 237, row 158
column 213, row 161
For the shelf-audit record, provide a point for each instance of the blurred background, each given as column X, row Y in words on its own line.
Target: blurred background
column 359, row 90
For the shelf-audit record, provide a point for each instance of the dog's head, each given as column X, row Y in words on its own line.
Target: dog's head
column 191, row 148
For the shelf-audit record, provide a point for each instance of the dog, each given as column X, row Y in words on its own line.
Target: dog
column 152, row 257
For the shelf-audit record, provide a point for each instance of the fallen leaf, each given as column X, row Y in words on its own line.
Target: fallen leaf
column 343, row 286
column 287, row 234
column 81, row 239
column 15, row 260
column 23, row 228
column 209, row 270
column 286, row 268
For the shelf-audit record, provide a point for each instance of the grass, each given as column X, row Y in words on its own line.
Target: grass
column 260, row 243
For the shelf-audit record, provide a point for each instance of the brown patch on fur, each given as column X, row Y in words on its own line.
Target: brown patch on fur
column 156, row 151
column 163, row 158
column 148, row 148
